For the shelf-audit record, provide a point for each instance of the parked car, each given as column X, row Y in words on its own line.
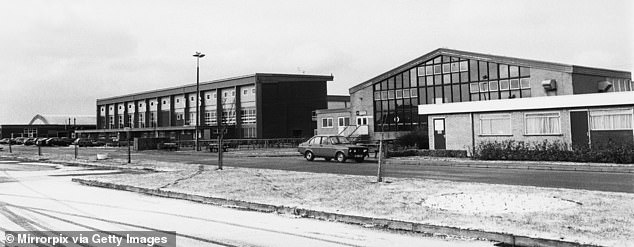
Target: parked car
column 19, row 140
column 30, row 141
column 83, row 142
column 4, row 141
column 41, row 141
column 332, row 146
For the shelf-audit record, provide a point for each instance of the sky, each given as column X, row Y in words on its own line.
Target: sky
column 58, row 57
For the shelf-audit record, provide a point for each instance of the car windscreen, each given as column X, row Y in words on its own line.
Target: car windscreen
column 339, row 140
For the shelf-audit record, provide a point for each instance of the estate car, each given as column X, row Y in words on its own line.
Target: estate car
column 332, row 146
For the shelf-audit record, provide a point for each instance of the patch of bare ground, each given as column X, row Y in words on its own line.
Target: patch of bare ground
column 590, row 217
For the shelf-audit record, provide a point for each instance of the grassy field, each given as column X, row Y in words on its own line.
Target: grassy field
column 573, row 215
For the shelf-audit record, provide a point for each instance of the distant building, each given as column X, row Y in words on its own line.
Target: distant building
column 462, row 98
column 251, row 106
column 49, row 126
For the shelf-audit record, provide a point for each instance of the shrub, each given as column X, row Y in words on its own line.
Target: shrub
column 552, row 151
column 415, row 139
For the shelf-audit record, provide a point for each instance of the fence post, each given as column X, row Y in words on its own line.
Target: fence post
column 76, row 151
column 39, row 150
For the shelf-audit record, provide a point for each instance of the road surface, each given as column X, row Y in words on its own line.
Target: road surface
column 600, row 181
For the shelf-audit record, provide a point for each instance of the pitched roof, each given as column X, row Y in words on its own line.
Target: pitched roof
column 50, row 119
column 488, row 57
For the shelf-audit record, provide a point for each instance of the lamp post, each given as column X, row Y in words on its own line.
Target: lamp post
column 198, row 56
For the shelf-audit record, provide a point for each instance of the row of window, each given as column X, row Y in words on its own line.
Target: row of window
column 342, row 122
column 621, row 85
column 549, row 123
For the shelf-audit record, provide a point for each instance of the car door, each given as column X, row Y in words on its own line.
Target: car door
column 315, row 145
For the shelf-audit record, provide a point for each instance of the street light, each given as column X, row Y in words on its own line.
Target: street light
column 198, row 56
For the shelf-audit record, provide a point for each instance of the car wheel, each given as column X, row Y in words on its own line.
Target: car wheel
column 359, row 160
column 339, row 157
column 309, row 156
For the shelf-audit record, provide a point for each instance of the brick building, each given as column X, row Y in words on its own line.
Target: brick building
column 251, row 106
column 461, row 98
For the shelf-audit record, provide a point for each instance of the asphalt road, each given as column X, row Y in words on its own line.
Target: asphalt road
column 600, row 181
column 35, row 196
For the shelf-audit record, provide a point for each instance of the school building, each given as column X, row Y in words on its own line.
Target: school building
column 461, row 98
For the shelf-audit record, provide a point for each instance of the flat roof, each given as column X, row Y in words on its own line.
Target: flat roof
column 535, row 103
column 208, row 85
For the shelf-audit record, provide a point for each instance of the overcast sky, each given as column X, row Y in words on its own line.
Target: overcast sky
column 58, row 57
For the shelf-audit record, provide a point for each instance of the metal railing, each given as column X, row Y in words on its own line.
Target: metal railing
column 245, row 143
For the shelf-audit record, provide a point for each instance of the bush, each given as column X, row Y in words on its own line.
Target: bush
column 415, row 139
column 552, row 151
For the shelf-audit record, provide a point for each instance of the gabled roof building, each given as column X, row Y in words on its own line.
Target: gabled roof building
column 462, row 98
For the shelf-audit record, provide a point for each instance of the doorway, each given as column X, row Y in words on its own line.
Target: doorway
column 440, row 141
column 579, row 129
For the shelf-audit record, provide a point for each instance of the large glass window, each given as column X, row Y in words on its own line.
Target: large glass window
column 618, row 119
column 547, row 123
column 495, row 124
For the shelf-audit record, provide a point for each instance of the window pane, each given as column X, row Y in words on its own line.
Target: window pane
column 504, row 71
column 611, row 120
column 383, row 94
column 455, row 92
column 446, row 79
column 493, row 71
column 406, row 93
column 464, row 77
column 514, row 71
column 390, row 94
column 473, row 70
column 464, row 66
column 421, row 71
column 438, row 95
column 447, row 98
column 504, row 85
column 464, row 88
column 399, row 81
column 429, row 80
column 430, row 95
column 377, row 95
column 437, row 79
column 406, row 81
column 399, row 94
column 484, row 73
column 524, row 71
column 437, row 69
column 515, row 84
column 455, row 67
column 484, row 86
column 455, row 78
column 542, row 123
column 474, row 88
column 493, row 85
column 412, row 78
column 429, row 70
column 495, row 124
column 413, row 92
column 437, row 59
column 525, row 83
column 446, row 68
column 391, row 84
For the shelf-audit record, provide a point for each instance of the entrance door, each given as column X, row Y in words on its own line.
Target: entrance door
column 439, row 134
column 579, row 129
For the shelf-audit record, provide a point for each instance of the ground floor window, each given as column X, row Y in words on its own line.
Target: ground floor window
column 617, row 119
column 121, row 121
column 249, row 132
column 343, row 121
column 547, row 123
column 495, row 124
column 326, row 122
column 30, row 132
column 130, row 120
column 110, row 122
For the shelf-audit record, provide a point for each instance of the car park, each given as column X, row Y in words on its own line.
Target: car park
column 30, row 141
column 82, row 142
column 332, row 147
